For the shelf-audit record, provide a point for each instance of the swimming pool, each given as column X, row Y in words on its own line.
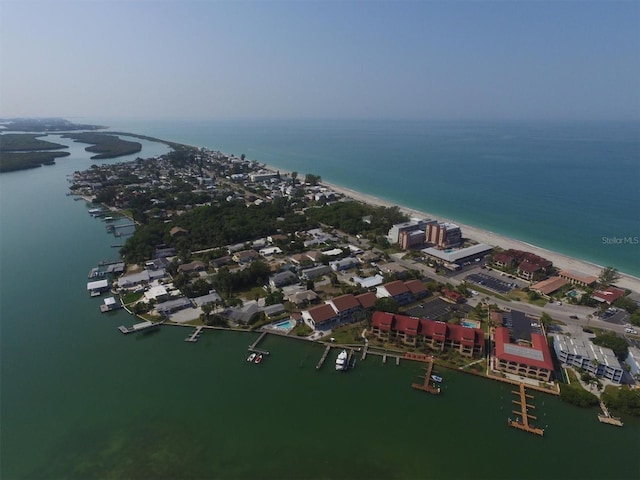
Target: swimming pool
column 470, row 323
column 285, row 325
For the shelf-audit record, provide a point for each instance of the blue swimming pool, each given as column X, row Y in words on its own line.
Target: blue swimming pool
column 285, row 325
column 469, row 324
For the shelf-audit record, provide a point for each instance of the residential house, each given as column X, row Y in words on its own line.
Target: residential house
column 321, row 317
column 344, row 264
column 283, row 278
column 192, row 267
column 346, row 307
column 315, row 272
column 608, row 295
column 245, row 256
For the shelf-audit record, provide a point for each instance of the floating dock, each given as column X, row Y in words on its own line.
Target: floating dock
column 195, row 336
column 524, row 413
column 606, row 417
column 426, row 386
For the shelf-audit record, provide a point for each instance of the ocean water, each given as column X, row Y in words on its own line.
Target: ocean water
column 81, row 400
column 568, row 187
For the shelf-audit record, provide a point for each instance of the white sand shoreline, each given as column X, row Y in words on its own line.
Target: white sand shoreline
column 485, row 236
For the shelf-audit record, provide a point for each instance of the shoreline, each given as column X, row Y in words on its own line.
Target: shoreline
column 480, row 235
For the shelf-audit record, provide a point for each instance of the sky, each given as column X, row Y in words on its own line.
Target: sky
column 321, row 59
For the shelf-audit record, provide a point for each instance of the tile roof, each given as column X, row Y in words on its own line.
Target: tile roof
column 345, row 302
column 415, row 286
column 538, row 355
column 367, row 300
column 549, row 285
column 322, row 313
column 395, row 288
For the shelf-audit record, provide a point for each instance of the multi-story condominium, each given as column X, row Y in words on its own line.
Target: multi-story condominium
column 444, row 235
column 411, row 239
column 581, row 353
column 530, row 360
column 414, row 224
column 421, row 332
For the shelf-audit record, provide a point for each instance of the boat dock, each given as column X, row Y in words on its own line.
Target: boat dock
column 254, row 345
column 324, row 357
column 195, row 336
column 606, row 417
column 523, row 413
column 139, row 327
column 426, row 385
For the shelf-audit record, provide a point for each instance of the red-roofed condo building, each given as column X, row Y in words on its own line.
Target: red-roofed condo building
column 533, row 361
column 414, row 331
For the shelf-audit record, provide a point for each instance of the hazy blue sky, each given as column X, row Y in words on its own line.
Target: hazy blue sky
column 218, row 59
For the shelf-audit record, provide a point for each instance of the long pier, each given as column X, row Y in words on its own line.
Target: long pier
column 524, row 414
column 324, row 357
column 426, row 386
column 195, row 336
column 254, row 345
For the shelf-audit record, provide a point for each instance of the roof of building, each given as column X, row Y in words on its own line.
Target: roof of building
column 321, row 313
column 406, row 325
column 395, row 288
column 345, row 302
column 529, row 267
column 580, row 277
column 415, row 286
column 452, row 256
column 538, row 355
column 367, row 300
column 583, row 347
column 549, row 285
column 608, row 295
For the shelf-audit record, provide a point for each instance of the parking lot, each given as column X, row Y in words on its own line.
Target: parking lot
column 437, row 309
column 489, row 282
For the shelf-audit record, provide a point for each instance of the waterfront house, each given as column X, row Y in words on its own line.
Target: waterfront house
column 633, row 360
column 97, row 287
column 302, row 297
column 171, row 306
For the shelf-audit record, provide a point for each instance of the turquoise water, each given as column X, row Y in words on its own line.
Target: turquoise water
column 567, row 187
column 81, row 400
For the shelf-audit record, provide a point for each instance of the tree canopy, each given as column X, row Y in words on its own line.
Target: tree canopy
column 609, row 276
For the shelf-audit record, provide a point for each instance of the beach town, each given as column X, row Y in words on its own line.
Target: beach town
column 316, row 262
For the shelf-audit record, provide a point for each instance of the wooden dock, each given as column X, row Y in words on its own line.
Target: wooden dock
column 254, row 345
column 606, row 417
column 426, row 386
column 523, row 413
column 139, row 327
column 195, row 336
column 324, row 357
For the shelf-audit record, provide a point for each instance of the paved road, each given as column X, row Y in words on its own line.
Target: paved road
column 562, row 313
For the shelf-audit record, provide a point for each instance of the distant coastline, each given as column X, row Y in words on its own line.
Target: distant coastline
column 493, row 239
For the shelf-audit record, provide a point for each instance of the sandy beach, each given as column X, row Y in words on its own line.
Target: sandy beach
column 487, row 237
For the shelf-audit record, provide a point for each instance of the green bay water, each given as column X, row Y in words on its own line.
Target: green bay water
column 81, row 400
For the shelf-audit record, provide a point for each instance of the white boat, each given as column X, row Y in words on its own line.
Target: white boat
column 251, row 357
column 341, row 361
column 436, row 378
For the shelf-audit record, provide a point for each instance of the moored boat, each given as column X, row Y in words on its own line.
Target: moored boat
column 251, row 357
column 258, row 358
column 341, row 361
column 436, row 378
